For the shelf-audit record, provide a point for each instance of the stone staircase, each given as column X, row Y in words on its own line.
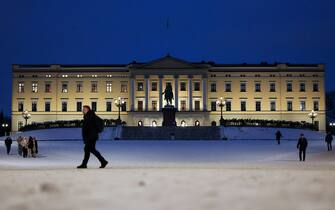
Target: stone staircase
column 171, row 133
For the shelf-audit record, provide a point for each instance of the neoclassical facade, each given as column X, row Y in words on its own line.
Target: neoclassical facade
column 251, row 91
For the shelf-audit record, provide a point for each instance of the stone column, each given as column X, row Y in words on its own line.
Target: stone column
column 204, row 92
column 176, row 82
column 190, row 103
column 146, row 92
column 132, row 93
column 160, row 92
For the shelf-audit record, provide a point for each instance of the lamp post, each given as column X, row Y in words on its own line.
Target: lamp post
column 119, row 102
column 5, row 126
column 312, row 115
column 221, row 103
column 26, row 115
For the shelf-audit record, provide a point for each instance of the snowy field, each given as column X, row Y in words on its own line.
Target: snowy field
column 158, row 175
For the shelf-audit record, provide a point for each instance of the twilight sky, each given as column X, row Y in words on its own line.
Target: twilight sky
column 120, row 31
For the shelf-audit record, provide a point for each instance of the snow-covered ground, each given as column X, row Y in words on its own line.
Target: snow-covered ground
column 159, row 175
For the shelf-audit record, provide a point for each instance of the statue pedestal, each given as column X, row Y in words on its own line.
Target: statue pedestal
column 169, row 116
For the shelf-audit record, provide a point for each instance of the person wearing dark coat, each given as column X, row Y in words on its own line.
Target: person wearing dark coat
column 8, row 143
column 30, row 146
column 90, row 133
column 302, row 146
column 329, row 139
column 278, row 136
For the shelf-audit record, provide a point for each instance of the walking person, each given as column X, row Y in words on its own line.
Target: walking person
column 302, row 146
column 8, row 143
column 278, row 136
column 92, row 126
column 329, row 139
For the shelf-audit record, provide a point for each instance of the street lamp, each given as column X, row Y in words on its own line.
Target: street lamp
column 312, row 115
column 5, row 126
column 119, row 102
column 26, row 115
column 221, row 103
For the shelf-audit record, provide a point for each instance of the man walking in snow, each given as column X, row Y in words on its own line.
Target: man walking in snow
column 302, row 146
column 92, row 126
column 278, row 136
column 329, row 139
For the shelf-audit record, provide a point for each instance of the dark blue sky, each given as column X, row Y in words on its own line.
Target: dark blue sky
column 119, row 31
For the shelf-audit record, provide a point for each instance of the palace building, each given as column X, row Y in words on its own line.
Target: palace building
column 276, row 91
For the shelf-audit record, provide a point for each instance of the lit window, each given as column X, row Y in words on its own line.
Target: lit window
column 109, row 87
column 34, row 87
column 21, row 87
column 64, row 88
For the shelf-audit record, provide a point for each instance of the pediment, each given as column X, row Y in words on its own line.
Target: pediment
column 169, row 62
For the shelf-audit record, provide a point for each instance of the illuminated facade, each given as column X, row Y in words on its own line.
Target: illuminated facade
column 263, row 91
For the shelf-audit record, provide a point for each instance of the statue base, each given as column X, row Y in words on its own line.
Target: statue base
column 169, row 115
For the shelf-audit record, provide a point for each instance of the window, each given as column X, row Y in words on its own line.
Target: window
column 243, row 87
column 183, row 86
column 272, row 87
column 302, row 106
column 197, row 105
column 196, row 86
column 315, row 87
column 243, row 106
column 94, row 105
column 228, row 87
column 213, row 106
column 34, row 87
column 109, row 87
column 154, row 105
column 124, row 107
column 21, row 87
column 20, row 106
column 108, row 106
column 47, row 106
column 228, row 106
column 140, row 106
column 47, row 87
column 183, row 105
column 289, row 87
column 64, row 88
column 153, row 86
column 258, row 106
column 34, row 106
column 257, row 87
column 94, row 87
column 316, row 105
column 79, row 87
column 302, row 87
column 64, row 106
column 140, row 86
column 124, row 87
column 213, row 87
column 79, row 106
column 272, row 106
column 289, row 106
column 19, row 125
